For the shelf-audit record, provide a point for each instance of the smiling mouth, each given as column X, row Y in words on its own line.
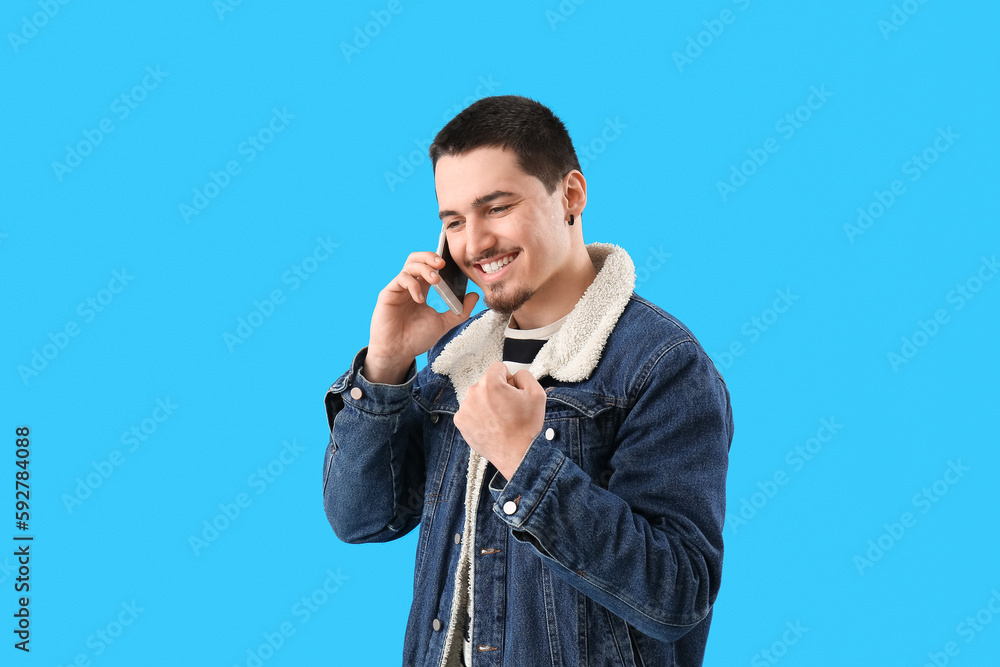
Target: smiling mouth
column 497, row 265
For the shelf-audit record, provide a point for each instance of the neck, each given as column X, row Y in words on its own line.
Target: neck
column 559, row 296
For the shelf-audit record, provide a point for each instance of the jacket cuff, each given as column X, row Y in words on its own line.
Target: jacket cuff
column 526, row 489
column 352, row 388
column 496, row 485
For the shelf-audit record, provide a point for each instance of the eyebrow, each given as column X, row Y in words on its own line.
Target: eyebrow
column 479, row 201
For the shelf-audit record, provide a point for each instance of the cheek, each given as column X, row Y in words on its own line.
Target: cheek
column 551, row 213
column 457, row 250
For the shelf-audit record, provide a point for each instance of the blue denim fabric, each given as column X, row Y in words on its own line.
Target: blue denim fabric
column 614, row 553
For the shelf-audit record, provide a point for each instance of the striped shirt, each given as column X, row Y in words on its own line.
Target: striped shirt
column 521, row 345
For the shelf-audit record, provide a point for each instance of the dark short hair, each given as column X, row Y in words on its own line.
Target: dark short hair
column 519, row 124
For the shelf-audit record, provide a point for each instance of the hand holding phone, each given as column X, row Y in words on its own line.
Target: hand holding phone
column 403, row 326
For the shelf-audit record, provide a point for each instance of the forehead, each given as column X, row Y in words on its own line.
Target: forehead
column 459, row 179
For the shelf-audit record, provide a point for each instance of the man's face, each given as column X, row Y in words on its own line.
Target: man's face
column 504, row 230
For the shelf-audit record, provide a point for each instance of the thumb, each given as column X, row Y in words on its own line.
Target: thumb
column 467, row 305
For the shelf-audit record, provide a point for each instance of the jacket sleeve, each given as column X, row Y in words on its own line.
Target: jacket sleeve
column 373, row 471
column 649, row 547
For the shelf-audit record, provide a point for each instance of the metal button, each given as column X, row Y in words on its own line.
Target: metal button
column 436, row 624
column 458, row 538
column 509, row 507
column 550, row 433
column 356, row 393
column 434, row 418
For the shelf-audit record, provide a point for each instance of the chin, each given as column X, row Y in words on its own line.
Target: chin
column 507, row 303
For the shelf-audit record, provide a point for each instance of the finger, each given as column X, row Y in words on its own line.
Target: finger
column 491, row 377
column 413, row 285
column 425, row 256
column 497, row 369
column 423, row 270
column 470, row 301
column 503, row 372
column 467, row 305
column 523, row 379
column 499, row 375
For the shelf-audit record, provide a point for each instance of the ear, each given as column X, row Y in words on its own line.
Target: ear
column 574, row 190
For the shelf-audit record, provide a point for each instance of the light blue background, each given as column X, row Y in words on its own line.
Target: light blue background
column 652, row 189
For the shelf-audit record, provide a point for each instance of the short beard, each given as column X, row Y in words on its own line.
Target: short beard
column 506, row 303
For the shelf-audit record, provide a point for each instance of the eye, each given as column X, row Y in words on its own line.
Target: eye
column 453, row 224
column 499, row 209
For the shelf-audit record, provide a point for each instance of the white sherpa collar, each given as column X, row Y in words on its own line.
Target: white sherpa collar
column 573, row 352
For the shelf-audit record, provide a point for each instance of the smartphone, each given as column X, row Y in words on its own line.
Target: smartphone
column 453, row 282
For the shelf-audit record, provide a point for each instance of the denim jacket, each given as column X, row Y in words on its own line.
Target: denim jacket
column 605, row 546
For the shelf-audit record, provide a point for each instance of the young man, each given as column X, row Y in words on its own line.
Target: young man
column 564, row 452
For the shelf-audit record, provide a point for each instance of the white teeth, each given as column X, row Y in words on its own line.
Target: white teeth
column 493, row 267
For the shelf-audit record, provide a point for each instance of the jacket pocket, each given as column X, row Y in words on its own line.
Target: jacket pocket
column 331, row 449
column 636, row 654
column 583, row 425
column 607, row 641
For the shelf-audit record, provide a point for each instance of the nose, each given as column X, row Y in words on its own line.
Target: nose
column 479, row 237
